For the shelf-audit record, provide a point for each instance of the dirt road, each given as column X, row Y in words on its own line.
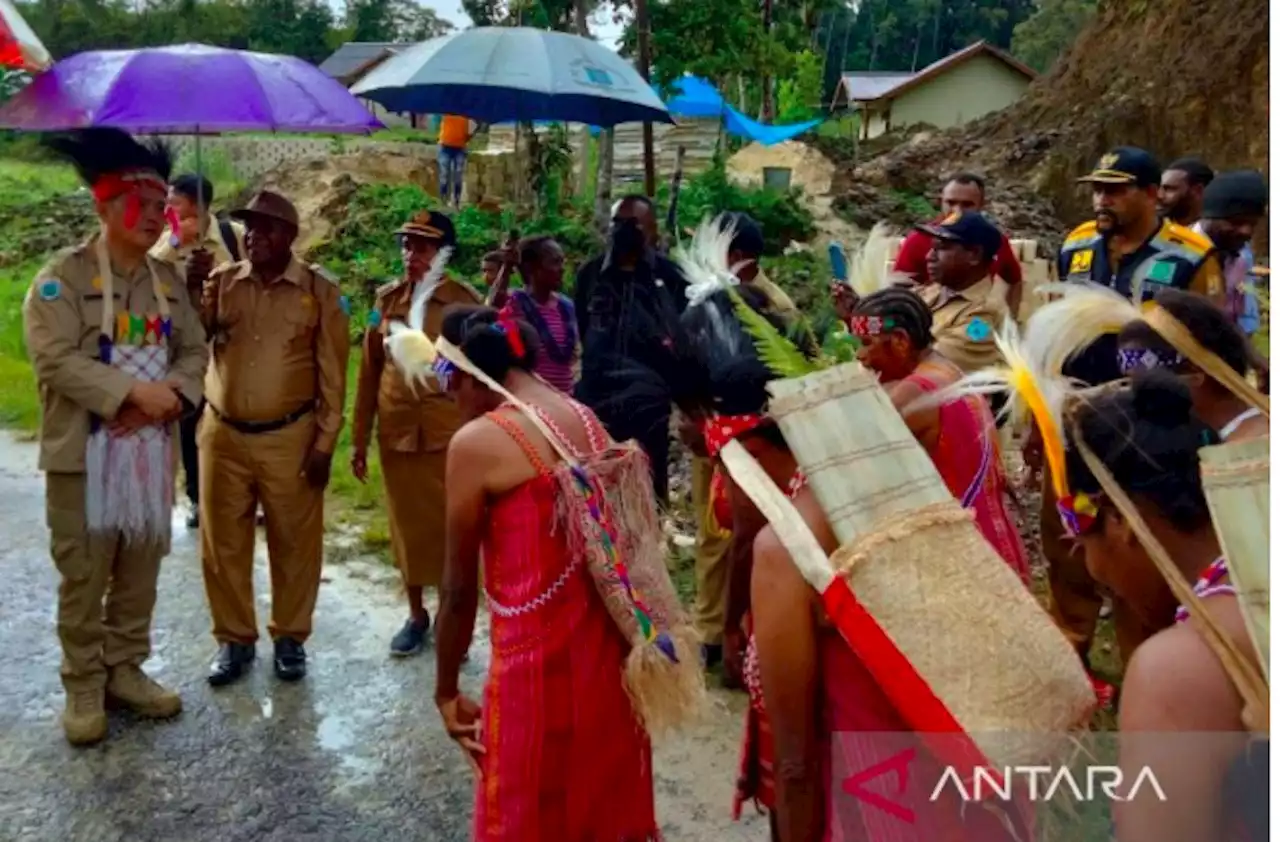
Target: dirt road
column 353, row 753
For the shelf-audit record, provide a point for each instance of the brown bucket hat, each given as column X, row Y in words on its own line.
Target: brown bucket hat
column 269, row 204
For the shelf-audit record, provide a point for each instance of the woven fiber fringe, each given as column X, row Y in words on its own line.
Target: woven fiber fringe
column 1237, row 486
column 665, row 695
column 129, row 485
column 972, row 631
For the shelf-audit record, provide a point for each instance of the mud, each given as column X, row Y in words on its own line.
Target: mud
column 355, row 752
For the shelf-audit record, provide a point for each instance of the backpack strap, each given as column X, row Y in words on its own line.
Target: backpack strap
column 229, row 238
column 517, row 434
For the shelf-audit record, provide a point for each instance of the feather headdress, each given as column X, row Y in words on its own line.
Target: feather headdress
column 1034, row 393
column 867, row 272
column 705, row 260
column 99, row 152
column 1082, row 313
column 1076, row 316
column 408, row 344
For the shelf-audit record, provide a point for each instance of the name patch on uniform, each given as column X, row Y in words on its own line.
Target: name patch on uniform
column 1081, row 261
column 1160, row 272
column 50, row 289
column 375, row 318
column 978, row 330
column 345, row 304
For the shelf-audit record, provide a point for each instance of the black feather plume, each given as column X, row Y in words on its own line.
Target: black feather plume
column 98, row 152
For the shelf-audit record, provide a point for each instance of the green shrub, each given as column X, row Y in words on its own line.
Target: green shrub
column 781, row 213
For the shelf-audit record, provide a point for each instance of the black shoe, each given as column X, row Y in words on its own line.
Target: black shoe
column 712, row 655
column 291, row 660
column 410, row 639
column 193, row 519
column 232, row 661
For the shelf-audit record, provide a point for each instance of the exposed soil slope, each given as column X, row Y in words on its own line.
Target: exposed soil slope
column 1177, row 77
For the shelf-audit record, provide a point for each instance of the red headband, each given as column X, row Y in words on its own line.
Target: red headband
column 127, row 183
column 719, row 430
column 865, row 327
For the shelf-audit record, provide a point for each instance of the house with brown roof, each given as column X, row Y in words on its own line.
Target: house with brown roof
column 353, row 61
column 961, row 87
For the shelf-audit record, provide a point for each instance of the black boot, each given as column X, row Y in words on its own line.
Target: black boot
column 291, row 660
column 232, row 661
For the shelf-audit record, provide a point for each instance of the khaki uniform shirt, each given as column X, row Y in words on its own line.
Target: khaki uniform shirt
column 278, row 345
column 965, row 323
column 62, row 321
column 408, row 421
column 211, row 242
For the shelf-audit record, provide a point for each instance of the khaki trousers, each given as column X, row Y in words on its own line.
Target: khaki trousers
column 710, row 560
column 415, row 506
column 1076, row 599
column 107, row 593
column 239, row 471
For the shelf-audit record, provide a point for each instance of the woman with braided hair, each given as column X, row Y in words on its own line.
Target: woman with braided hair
column 895, row 328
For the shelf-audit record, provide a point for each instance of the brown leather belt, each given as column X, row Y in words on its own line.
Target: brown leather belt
column 254, row 427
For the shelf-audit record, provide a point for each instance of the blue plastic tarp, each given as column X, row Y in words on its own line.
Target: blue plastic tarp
column 696, row 97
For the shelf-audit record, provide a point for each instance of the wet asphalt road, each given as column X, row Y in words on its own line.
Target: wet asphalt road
column 353, row 753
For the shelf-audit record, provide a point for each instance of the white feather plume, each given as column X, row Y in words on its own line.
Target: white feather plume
column 408, row 345
column 868, row 270
column 1075, row 317
column 1034, row 394
column 704, row 261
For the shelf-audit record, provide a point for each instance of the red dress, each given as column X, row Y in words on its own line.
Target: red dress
column 967, row 456
column 566, row 759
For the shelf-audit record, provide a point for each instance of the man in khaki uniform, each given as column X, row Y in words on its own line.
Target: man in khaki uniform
column 966, row 315
column 203, row 242
column 118, row 353
column 414, row 426
column 275, row 392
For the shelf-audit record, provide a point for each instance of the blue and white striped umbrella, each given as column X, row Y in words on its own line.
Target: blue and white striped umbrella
column 495, row 74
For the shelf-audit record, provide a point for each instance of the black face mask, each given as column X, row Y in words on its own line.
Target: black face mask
column 626, row 237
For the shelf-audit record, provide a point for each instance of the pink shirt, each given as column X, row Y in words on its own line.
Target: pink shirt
column 558, row 374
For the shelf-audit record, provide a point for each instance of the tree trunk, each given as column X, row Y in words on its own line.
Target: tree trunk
column 604, row 181
column 642, row 39
column 766, row 80
column 584, row 152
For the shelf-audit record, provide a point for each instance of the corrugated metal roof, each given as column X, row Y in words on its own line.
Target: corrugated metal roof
column 870, row 85
column 354, row 55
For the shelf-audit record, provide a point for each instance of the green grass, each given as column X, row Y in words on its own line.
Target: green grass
column 22, row 182
column 19, row 403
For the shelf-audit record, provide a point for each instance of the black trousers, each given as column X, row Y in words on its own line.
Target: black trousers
column 190, row 456
column 657, row 446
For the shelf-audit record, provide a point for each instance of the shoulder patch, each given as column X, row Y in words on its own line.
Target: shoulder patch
column 375, row 317
column 344, row 304
column 49, row 289
column 323, row 273
column 1082, row 231
column 978, row 330
column 1081, row 261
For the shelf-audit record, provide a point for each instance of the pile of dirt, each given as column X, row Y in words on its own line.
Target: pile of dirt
column 1176, row 77
column 40, row 228
column 321, row 187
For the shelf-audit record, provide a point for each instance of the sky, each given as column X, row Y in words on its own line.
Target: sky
column 602, row 25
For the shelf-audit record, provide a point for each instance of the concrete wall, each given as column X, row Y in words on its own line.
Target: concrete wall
column 973, row 88
column 252, row 156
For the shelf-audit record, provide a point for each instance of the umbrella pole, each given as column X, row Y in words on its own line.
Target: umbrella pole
column 199, row 175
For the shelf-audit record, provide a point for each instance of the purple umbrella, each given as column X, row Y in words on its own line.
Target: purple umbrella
column 186, row 89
